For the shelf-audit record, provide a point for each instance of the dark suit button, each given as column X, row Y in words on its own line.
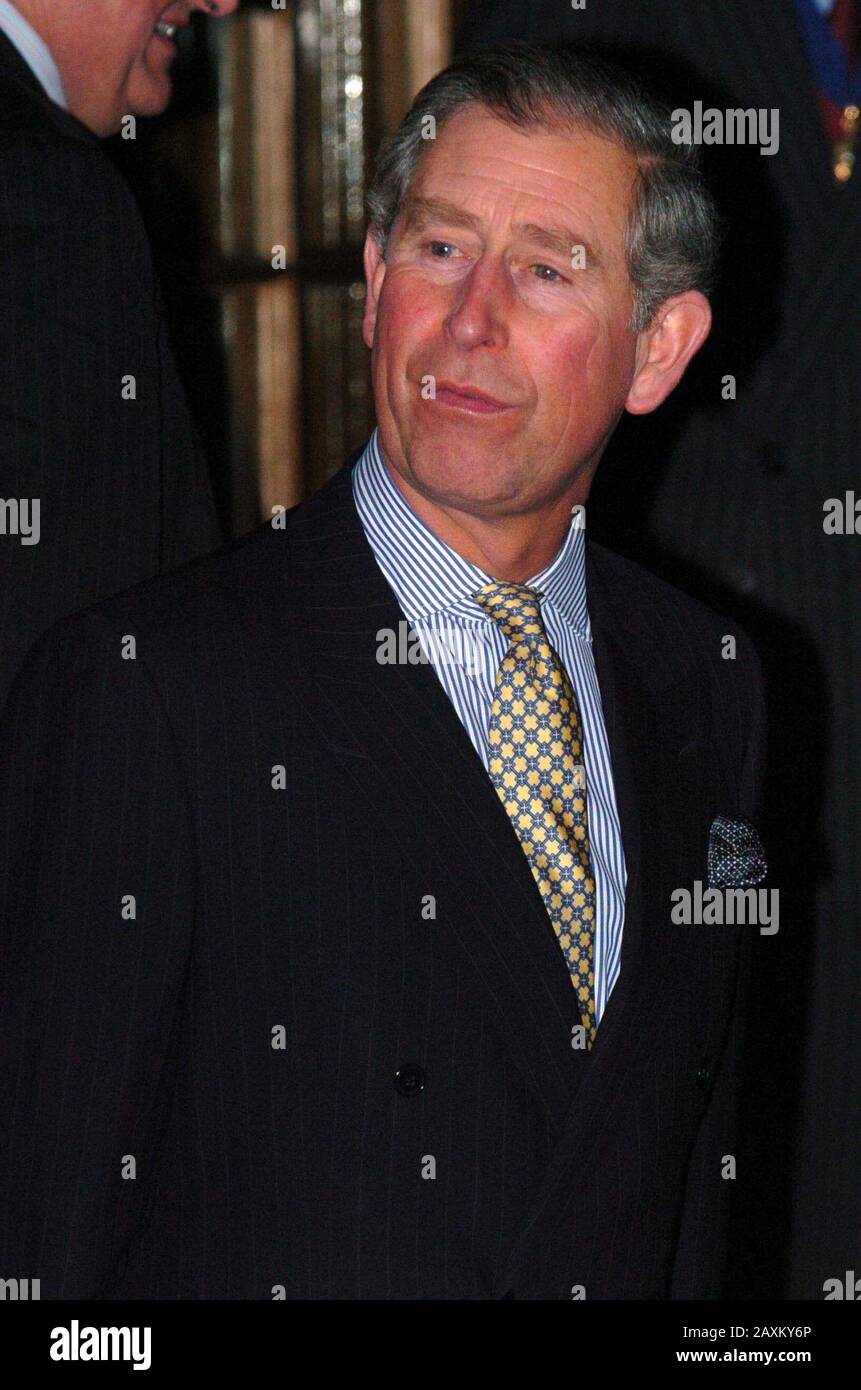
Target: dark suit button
column 704, row 1072
column 510, row 1294
column 409, row 1080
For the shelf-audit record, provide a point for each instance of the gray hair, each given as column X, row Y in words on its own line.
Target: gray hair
column 671, row 239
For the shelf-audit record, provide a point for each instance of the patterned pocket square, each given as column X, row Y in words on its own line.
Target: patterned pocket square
column 736, row 857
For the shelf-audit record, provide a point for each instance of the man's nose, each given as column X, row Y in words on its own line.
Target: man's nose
column 481, row 309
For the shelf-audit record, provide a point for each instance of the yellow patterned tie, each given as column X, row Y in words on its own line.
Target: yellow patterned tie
column 535, row 761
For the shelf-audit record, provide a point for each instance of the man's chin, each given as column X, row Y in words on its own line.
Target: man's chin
column 472, row 480
column 151, row 97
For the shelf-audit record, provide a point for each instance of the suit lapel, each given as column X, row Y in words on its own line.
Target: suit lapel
column 400, row 742
column 610, row 666
column 648, row 714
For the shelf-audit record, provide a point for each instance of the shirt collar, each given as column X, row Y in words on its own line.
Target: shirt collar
column 35, row 52
column 429, row 577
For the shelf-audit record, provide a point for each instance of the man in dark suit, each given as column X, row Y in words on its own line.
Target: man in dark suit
column 334, row 972
column 724, row 492
column 102, row 479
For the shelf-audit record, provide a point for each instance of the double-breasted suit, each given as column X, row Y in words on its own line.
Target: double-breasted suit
column 332, row 1034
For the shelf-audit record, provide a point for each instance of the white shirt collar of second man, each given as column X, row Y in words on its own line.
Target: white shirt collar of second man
column 35, row 52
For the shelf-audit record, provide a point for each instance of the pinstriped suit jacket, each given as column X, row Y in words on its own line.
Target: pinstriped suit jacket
column 281, row 808
column 122, row 487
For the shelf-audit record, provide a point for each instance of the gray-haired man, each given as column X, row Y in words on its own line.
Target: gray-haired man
column 383, row 1001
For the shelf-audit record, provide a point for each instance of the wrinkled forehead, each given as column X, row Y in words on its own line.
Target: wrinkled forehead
column 505, row 175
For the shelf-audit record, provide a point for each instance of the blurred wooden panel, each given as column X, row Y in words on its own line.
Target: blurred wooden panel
column 259, row 243
column 332, row 68
column 259, row 320
column 360, row 63
column 305, row 94
column 420, row 33
column 340, row 411
column 428, row 41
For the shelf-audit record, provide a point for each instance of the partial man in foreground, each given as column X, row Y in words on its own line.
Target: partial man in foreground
column 101, row 475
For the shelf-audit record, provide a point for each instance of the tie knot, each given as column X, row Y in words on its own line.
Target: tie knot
column 515, row 608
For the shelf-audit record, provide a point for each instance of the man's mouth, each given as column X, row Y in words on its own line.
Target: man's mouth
column 469, row 398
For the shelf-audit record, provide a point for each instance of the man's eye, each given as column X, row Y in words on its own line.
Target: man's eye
column 432, row 245
column 560, row 279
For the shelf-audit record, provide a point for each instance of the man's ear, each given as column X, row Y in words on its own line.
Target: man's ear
column 664, row 349
column 375, row 272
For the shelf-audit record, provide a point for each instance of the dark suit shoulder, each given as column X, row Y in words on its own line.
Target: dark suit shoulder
column 52, row 179
column 678, row 644
column 205, row 599
column 52, row 169
column 653, row 603
column 222, row 575
column 673, row 640
column 222, row 585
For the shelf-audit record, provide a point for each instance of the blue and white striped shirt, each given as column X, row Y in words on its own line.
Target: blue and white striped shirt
column 434, row 587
